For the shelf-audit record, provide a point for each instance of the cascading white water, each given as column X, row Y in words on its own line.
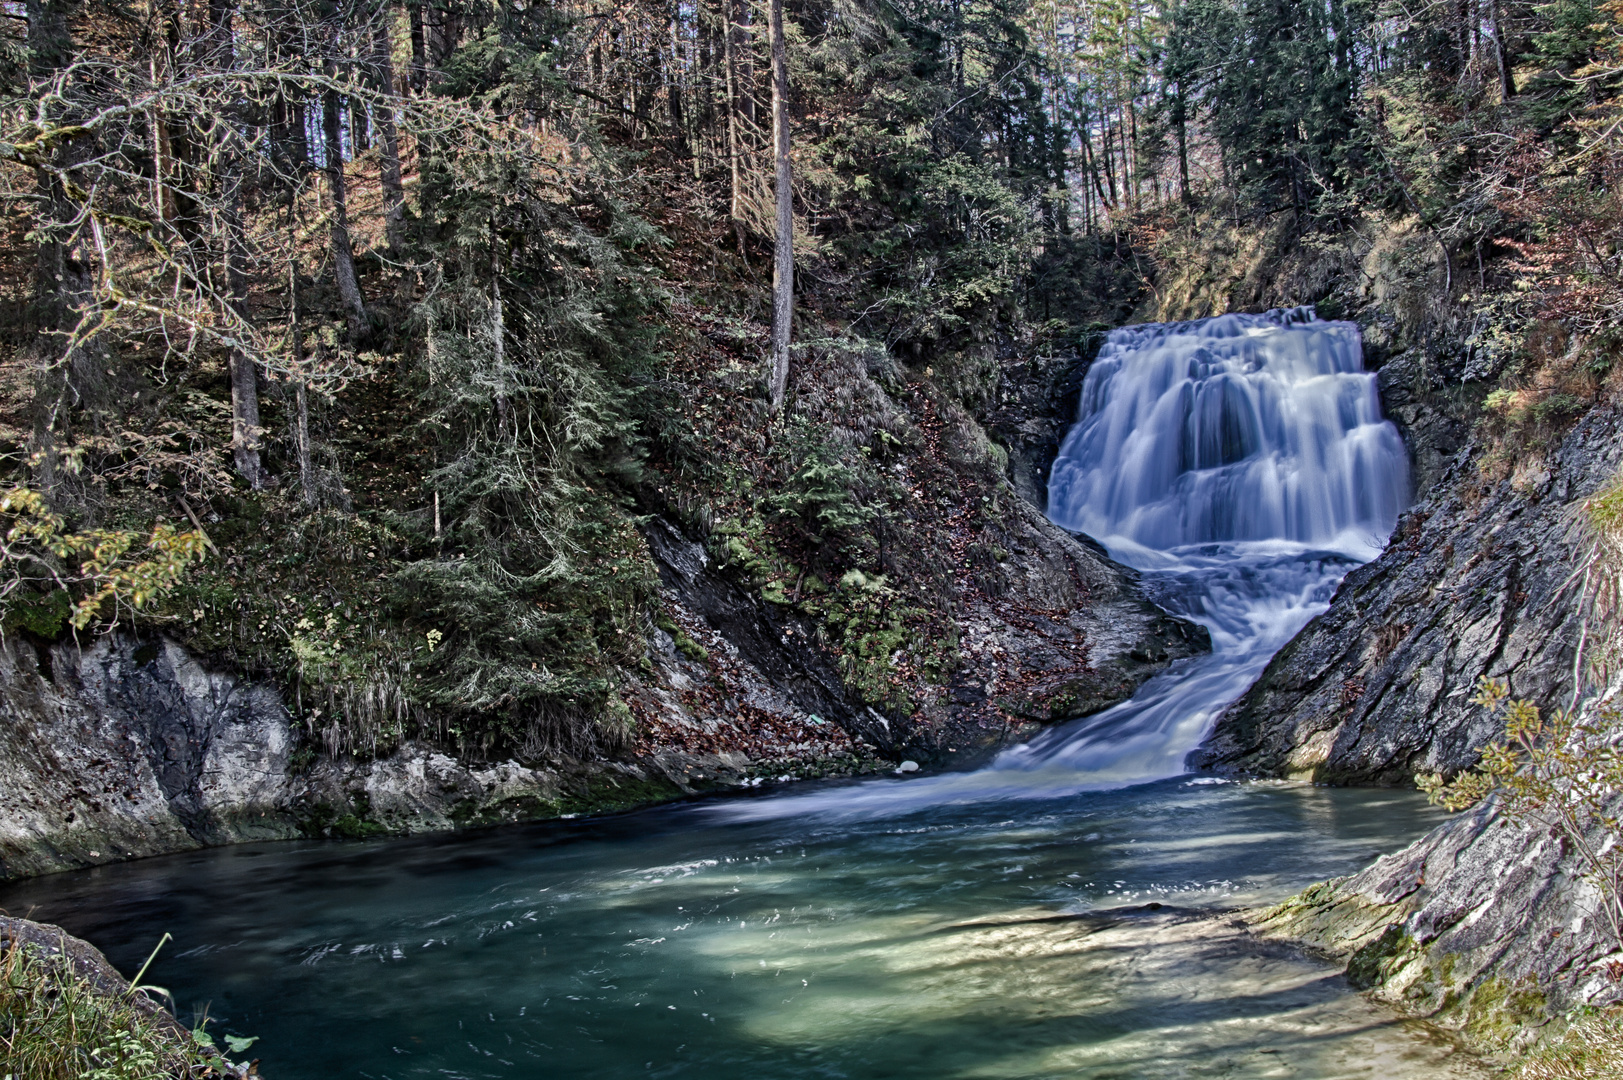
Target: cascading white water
column 1241, row 427
column 1242, row 465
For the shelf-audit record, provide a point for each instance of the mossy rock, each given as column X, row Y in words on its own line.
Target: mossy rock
column 605, row 794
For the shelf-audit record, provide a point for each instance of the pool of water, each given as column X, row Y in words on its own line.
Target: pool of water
column 994, row 939
column 1056, row 914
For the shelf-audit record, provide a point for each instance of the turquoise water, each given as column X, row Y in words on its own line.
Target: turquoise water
column 947, row 942
column 1056, row 914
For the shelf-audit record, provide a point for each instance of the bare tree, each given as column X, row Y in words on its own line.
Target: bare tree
column 389, row 175
column 783, row 250
column 343, row 254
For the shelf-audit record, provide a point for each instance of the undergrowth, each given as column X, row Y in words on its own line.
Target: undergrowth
column 54, row 1024
column 1591, row 1049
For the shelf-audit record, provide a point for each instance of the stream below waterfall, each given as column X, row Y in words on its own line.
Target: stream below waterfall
column 1049, row 915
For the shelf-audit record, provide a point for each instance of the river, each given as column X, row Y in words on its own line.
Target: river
column 1050, row 915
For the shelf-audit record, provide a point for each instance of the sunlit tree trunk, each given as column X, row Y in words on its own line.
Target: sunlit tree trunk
column 783, row 252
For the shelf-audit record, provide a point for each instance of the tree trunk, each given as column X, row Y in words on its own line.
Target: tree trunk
column 1507, row 82
column 389, row 178
column 730, row 49
column 301, row 394
column 1180, row 117
column 359, row 130
column 783, row 251
column 245, row 429
column 343, row 255
column 744, row 46
column 62, row 280
column 673, row 90
column 419, row 48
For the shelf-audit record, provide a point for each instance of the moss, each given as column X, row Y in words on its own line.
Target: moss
column 1499, row 1010
column 469, row 814
column 42, row 614
column 606, row 793
column 328, row 822
column 353, row 827
column 679, row 637
column 1374, row 963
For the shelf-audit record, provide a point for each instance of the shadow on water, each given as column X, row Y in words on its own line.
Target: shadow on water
column 995, row 924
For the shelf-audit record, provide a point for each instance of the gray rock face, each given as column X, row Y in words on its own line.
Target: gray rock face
column 121, row 750
column 1035, row 403
column 1051, row 632
column 124, row 749
column 1477, row 581
column 1489, row 926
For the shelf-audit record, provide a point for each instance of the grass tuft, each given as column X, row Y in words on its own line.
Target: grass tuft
column 56, row 1023
column 1591, row 1049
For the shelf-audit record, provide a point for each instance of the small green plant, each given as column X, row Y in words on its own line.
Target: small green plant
column 55, row 1023
column 818, row 495
column 1560, row 771
column 43, row 565
column 1588, row 1050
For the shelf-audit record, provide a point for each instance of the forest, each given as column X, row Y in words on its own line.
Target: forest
column 402, row 362
column 352, row 344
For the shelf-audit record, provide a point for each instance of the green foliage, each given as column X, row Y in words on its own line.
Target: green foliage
column 1561, row 771
column 47, row 568
column 54, row 1024
column 537, row 350
column 818, row 497
column 935, row 170
column 1277, row 82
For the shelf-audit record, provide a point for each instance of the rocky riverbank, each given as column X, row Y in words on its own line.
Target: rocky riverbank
column 68, row 1012
column 1483, row 926
column 129, row 745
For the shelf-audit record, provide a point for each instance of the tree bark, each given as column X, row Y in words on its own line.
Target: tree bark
column 735, row 147
column 419, row 48
column 1180, row 117
column 1507, row 81
column 744, row 48
column 301, row 394
column 783, row 251
column 389, row 174
column 245, row 429
column 62, row 281
column 343, row 255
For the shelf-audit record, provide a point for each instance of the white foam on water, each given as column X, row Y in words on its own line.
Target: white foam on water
column 1241, row 463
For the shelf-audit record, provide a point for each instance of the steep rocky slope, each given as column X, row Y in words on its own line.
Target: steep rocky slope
column 125, row 746
column 1477, row 580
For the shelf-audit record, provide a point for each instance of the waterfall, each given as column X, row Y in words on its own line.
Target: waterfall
column 1241, row 464
column 1236, row 428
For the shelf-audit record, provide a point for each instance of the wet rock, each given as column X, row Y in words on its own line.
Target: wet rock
column 128, row 748
column 1477, row 580
column 1488, row 926
column 1035, row 405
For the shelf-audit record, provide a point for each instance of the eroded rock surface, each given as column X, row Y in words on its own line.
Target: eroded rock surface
column 1477, row 580
column 1487, row 924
